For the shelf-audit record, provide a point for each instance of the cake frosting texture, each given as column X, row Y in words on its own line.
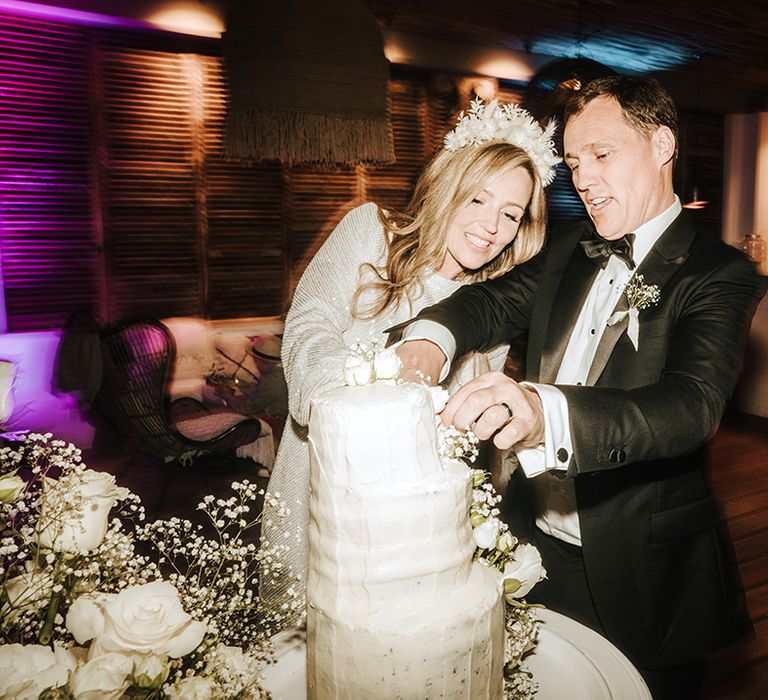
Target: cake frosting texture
column 396, row 606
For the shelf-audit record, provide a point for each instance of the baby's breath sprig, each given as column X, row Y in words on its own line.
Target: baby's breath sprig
column 71, row 539
column 520, row 568
column 639, row 296
column 453, row 443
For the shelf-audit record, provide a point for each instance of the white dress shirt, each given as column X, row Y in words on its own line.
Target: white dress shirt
column 556, row 497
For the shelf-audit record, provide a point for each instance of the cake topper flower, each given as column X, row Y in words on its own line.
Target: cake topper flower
column 639, row 296
column 367, row 364
column 510, row 123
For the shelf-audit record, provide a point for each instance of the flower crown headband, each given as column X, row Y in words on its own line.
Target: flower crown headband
column 510, row 123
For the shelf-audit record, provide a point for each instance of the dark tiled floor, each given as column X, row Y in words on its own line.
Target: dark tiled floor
column 167, row 489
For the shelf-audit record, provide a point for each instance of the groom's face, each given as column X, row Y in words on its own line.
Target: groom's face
column 617, row 171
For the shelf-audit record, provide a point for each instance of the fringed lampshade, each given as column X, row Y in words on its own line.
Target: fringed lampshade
column 308, row 82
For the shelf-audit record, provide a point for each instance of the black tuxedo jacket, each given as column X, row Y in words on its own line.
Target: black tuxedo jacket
column 657, row 562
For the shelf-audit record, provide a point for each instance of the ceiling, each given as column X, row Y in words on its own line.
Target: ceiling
column 711, row 54
column 710, row 46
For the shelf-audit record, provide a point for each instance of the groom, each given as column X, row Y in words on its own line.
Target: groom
column 628, row 381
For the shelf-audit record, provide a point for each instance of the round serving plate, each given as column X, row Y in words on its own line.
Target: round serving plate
column 569, row 661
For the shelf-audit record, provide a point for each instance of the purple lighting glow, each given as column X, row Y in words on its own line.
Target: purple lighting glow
column 64, row 14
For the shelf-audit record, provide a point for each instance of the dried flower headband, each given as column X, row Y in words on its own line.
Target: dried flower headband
column 510, row 123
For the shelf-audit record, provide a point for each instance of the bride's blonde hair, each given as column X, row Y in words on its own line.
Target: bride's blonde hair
column 416, row 237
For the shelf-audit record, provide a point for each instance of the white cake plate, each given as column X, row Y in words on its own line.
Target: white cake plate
column 570, row 661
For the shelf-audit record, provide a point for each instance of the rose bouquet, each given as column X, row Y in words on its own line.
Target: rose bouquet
column 95, row 603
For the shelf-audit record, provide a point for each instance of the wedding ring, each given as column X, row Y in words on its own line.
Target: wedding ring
column 509, row 410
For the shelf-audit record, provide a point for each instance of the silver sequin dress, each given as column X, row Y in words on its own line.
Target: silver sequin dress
column 319, row 330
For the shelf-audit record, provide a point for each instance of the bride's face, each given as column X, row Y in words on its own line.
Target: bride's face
column 488, row 224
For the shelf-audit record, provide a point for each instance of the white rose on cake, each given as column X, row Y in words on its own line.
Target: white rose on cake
column 143, row 619
column 386, row 364
column 486, row 532
column 523, row 572
column 357, row 371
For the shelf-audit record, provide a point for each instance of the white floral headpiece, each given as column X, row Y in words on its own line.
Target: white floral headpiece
column 510, row 123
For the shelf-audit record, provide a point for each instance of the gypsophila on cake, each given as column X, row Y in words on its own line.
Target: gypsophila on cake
column 396, row 573
column 97, row 603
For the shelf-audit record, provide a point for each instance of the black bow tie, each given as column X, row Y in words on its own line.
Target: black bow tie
column 601, row 249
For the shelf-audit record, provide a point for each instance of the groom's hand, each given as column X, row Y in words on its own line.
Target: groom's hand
column 485, row 404
column 421, row 361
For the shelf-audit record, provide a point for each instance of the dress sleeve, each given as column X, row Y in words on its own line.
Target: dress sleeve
column 313, row 349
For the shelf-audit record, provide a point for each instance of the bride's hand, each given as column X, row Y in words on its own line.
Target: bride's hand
column 421, row 361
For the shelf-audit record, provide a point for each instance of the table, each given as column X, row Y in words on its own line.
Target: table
column 570, row 661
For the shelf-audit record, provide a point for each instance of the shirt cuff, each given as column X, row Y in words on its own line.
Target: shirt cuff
column 555, row 453
column 439, row 335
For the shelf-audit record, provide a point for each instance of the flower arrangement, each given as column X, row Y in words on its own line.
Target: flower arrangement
column 639, row 296
column 96, row 603
column 510, row 123
column 368, row 363
column 520, row 564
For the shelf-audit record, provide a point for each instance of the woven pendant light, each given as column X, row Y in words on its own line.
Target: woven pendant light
column 308, row 83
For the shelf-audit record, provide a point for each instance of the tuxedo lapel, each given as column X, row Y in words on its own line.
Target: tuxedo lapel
column 575, row 283
column 658, row 267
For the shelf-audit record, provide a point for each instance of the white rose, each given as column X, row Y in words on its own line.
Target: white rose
column 386, row 364
column 105, row 677
column 75, row 511
column 11, row 487
column 6, row 390
column 150, row 671
column 144, row 619
column 525, row 568
column 192, row 688
column 27, row 670
column 30, row 589
column 485, row 533
column 357, row 371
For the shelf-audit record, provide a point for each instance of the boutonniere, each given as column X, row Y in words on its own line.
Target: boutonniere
column 639, row 296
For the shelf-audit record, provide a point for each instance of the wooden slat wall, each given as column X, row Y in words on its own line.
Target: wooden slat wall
column 149, row 183
column 49, row 259
column 245, row 251
column 115, row 196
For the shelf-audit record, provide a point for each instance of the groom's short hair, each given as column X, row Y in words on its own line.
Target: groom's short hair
column 646, row 105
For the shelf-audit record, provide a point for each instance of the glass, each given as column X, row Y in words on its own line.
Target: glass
column 754, row 246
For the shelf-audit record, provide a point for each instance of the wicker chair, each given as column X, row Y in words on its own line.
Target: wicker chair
column 138, row 360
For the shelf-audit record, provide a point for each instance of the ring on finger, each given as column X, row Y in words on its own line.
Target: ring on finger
column 510, row 412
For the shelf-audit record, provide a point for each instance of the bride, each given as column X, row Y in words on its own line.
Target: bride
column 477, row 211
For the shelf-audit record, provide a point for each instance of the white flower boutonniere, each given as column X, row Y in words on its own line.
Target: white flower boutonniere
column 639, row 296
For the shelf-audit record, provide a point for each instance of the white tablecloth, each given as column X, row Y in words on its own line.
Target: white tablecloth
column 570, row 661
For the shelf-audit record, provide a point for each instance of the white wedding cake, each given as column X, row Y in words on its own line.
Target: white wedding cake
column 396, row 607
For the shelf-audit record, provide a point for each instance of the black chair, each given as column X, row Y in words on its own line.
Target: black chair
column 138, row 360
